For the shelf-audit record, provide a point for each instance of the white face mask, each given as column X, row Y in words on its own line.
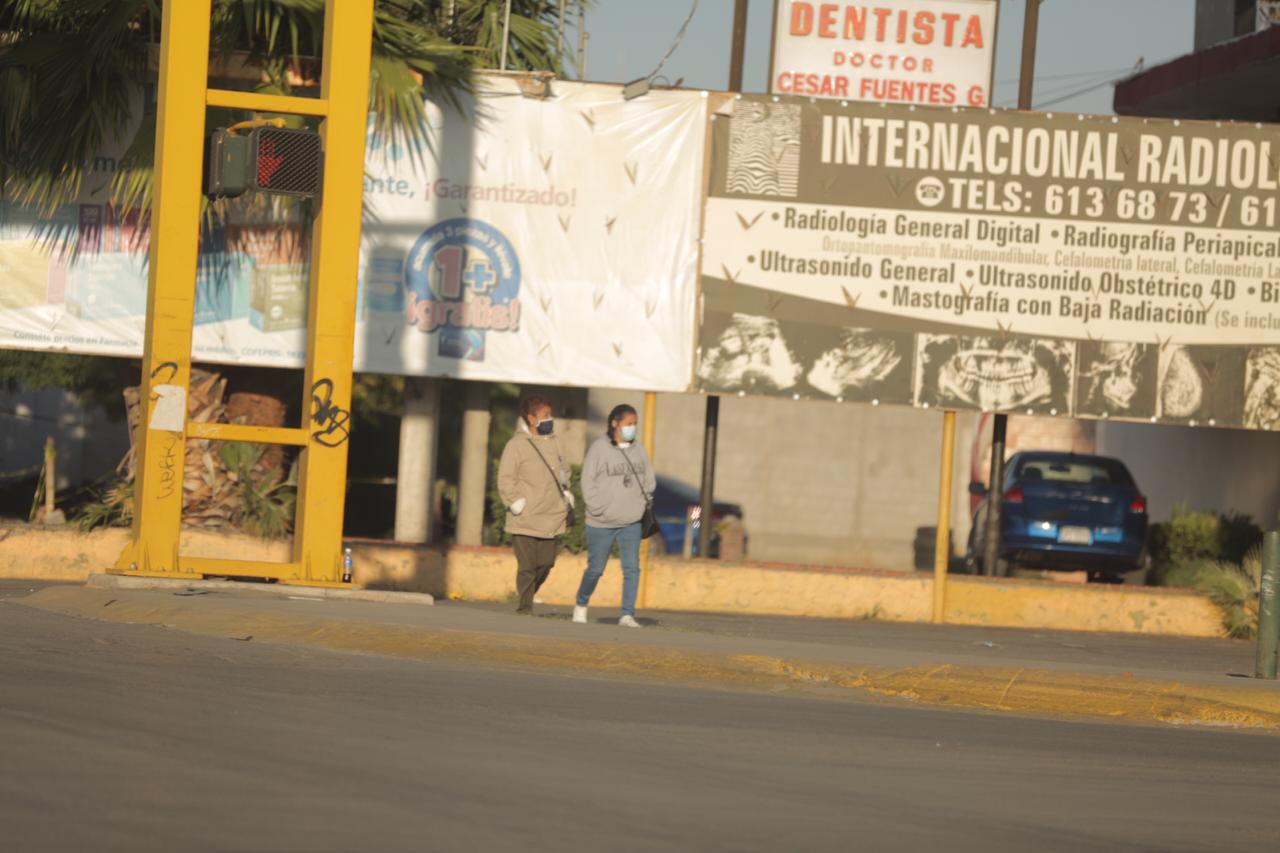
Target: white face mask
column 627, row 433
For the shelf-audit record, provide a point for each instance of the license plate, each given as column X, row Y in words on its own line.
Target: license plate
column 1075, row 536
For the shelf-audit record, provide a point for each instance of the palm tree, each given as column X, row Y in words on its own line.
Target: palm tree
column 70, row 71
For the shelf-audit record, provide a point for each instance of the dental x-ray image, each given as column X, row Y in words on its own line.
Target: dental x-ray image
column 994, row 374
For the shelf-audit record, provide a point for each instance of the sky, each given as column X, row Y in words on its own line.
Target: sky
column 1082, row 43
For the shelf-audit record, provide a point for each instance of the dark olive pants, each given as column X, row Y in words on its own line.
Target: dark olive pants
column 534, row 559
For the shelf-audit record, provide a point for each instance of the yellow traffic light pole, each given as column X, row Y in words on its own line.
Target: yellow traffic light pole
column 184, row 94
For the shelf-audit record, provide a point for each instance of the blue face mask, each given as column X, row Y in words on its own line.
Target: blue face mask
column 627, row 433
column 546, row 427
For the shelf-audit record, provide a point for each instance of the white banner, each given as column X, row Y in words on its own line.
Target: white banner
column 935, row 52
column 540, row 241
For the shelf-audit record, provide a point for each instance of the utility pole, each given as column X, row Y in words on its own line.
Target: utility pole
column 1030, row 30
column 1000, row 423
column 738, row 54
column 506, row 36
column 560, row 35
column 583, row 35
column 706, row 498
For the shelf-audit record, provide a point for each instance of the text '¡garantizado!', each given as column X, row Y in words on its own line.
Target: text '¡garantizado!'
column 950, row 146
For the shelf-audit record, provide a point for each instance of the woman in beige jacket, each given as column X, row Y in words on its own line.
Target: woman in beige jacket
column 533, row 481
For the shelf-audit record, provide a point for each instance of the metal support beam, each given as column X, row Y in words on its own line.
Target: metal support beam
column 331, row 313
column 648, row 430
column 738, row 53
column 942, row 544
column 184, row 94
column 706, row 502
column 171, row 287
column 1269, row 607
column 995, row 497
column 1030, row 33
column 1000, row 423
column 256, row 102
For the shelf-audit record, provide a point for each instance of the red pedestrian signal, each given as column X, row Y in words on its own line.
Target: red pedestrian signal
column 286, row 161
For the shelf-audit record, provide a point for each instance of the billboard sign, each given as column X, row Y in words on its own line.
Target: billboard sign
column 1000, row 261
column 515, row 243
column 929, row 52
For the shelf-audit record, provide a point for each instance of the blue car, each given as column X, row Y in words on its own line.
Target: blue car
column 1068, row 512
column 673, row 502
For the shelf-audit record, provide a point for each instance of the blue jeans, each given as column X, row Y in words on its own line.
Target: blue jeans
column 600, row 541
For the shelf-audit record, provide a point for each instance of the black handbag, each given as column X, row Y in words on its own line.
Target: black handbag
column 570, row 515
column 649, row 521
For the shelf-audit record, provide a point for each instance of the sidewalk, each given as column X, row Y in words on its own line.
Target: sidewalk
column 1139, row 679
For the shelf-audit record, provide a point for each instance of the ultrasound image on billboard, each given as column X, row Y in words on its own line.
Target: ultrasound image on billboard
column 994, row 374
column 862, row 365
column 1262, row 389
column 1202, row 385
column 1116, row 379
column 750, row 354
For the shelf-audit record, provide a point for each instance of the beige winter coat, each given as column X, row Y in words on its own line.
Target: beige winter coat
column 523, row 476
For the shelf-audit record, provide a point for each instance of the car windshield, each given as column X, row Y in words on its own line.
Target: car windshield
column 1095, row 471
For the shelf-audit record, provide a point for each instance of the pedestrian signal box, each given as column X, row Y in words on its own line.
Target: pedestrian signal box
column 278, row 160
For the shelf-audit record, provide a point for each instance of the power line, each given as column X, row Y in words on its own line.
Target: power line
column 679, row 37
column 1013, row 81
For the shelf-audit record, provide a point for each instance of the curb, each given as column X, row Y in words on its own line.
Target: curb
column 1000, row 689
column 127, row 582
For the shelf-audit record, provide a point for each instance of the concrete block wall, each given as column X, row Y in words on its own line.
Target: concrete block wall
column 819, row 482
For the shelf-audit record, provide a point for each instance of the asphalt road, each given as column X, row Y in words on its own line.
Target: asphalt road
column 132, row 738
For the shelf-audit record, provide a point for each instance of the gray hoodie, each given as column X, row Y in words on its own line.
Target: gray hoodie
column 609, row 487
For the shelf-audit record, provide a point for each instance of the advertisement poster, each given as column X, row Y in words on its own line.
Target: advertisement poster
column 977, row 259
column 928, row 52
column 525, row 239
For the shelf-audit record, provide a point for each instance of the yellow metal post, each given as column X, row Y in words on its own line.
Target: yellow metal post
column 335, row 261
column 171, row 282
column 183, row 97
column 942, row 546
column 647, row 432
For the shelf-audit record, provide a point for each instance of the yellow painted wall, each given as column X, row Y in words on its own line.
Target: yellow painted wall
column 488, row 574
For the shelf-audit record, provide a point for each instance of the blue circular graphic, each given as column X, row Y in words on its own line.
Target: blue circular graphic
column 462, row 274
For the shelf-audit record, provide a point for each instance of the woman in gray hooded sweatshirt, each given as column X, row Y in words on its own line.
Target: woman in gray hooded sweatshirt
column 617, row 482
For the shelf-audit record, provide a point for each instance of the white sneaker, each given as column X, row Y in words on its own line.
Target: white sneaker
column 628, row 622
column 579, row 614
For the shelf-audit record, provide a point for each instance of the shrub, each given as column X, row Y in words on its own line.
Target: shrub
column 1190, row 541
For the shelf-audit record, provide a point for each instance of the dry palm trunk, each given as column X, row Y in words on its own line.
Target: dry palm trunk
column 210, row 492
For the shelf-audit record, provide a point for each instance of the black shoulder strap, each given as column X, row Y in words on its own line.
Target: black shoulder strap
column 555, row 479
column 639, row 485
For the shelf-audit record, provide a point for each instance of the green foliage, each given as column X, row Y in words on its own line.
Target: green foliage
column 1191, row 537
column 1233, row 587
column 71, row 68
column 267, row 503
column 112, row 508
column 1217, row 554
column 96, row 379
column 574, row 540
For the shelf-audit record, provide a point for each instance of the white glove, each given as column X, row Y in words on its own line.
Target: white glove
column 518, row 506
column 568, row 498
